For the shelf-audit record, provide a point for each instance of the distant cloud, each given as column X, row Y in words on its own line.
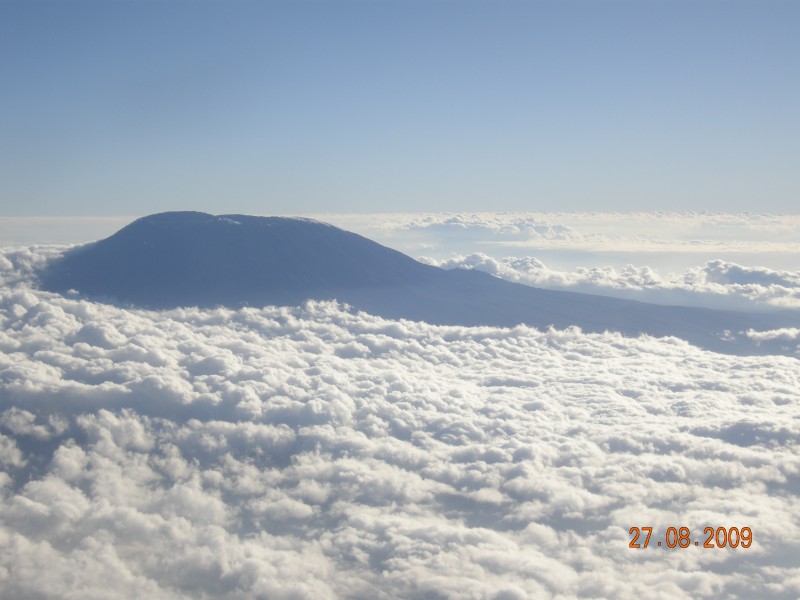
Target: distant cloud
column 786, row 333
column 723, row 283
column 317, row 453
column 734, row 261
column 522, row 226
column 688, row 233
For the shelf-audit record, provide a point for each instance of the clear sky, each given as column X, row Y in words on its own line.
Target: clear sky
column 123, row 107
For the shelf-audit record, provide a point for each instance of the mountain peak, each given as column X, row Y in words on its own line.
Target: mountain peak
column 194, row 258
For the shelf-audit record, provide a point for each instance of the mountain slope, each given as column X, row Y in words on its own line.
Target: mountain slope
column 192, row 258
column 189, row 258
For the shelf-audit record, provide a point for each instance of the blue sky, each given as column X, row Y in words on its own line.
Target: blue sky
column 123, row 108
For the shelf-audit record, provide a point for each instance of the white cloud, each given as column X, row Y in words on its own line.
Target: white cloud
column 716, row 284
column 10, row 455
column 786, row 333
column 694, row 259
column 519, row 226
column 18, row 264
column 317, row 453
column 22, row 423
column 631, row 232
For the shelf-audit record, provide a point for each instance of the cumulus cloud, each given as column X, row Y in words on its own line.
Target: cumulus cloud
column 715, row 284
column 19, row 264
column 319, row 453
column 786, row 333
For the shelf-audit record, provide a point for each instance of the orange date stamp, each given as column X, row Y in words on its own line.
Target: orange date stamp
column 681, row 537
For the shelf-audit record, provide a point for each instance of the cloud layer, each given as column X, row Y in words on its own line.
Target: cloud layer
column 716, row 284
column 631, row 232
column 736, row 261
column 317, row 453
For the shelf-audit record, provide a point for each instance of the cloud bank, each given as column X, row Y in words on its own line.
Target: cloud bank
column 318, row 453
column 631, row 232
column 736, row 261
column 715, row 284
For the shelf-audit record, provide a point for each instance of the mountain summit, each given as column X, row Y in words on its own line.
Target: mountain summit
column 196, row 259
column 192, row 258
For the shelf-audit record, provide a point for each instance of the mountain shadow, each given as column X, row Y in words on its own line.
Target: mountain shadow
column 196, row 259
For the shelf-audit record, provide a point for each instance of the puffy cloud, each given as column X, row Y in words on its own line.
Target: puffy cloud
column 23, row 423
column 786, row 333
column 10, row 454
column 316, row 452
column 717, row 283
column 18, row 264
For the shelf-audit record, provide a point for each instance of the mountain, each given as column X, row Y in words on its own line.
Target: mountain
column 192, row 258
column 196, row 259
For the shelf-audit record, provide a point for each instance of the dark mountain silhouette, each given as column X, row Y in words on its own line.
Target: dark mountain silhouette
column 196, row 259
